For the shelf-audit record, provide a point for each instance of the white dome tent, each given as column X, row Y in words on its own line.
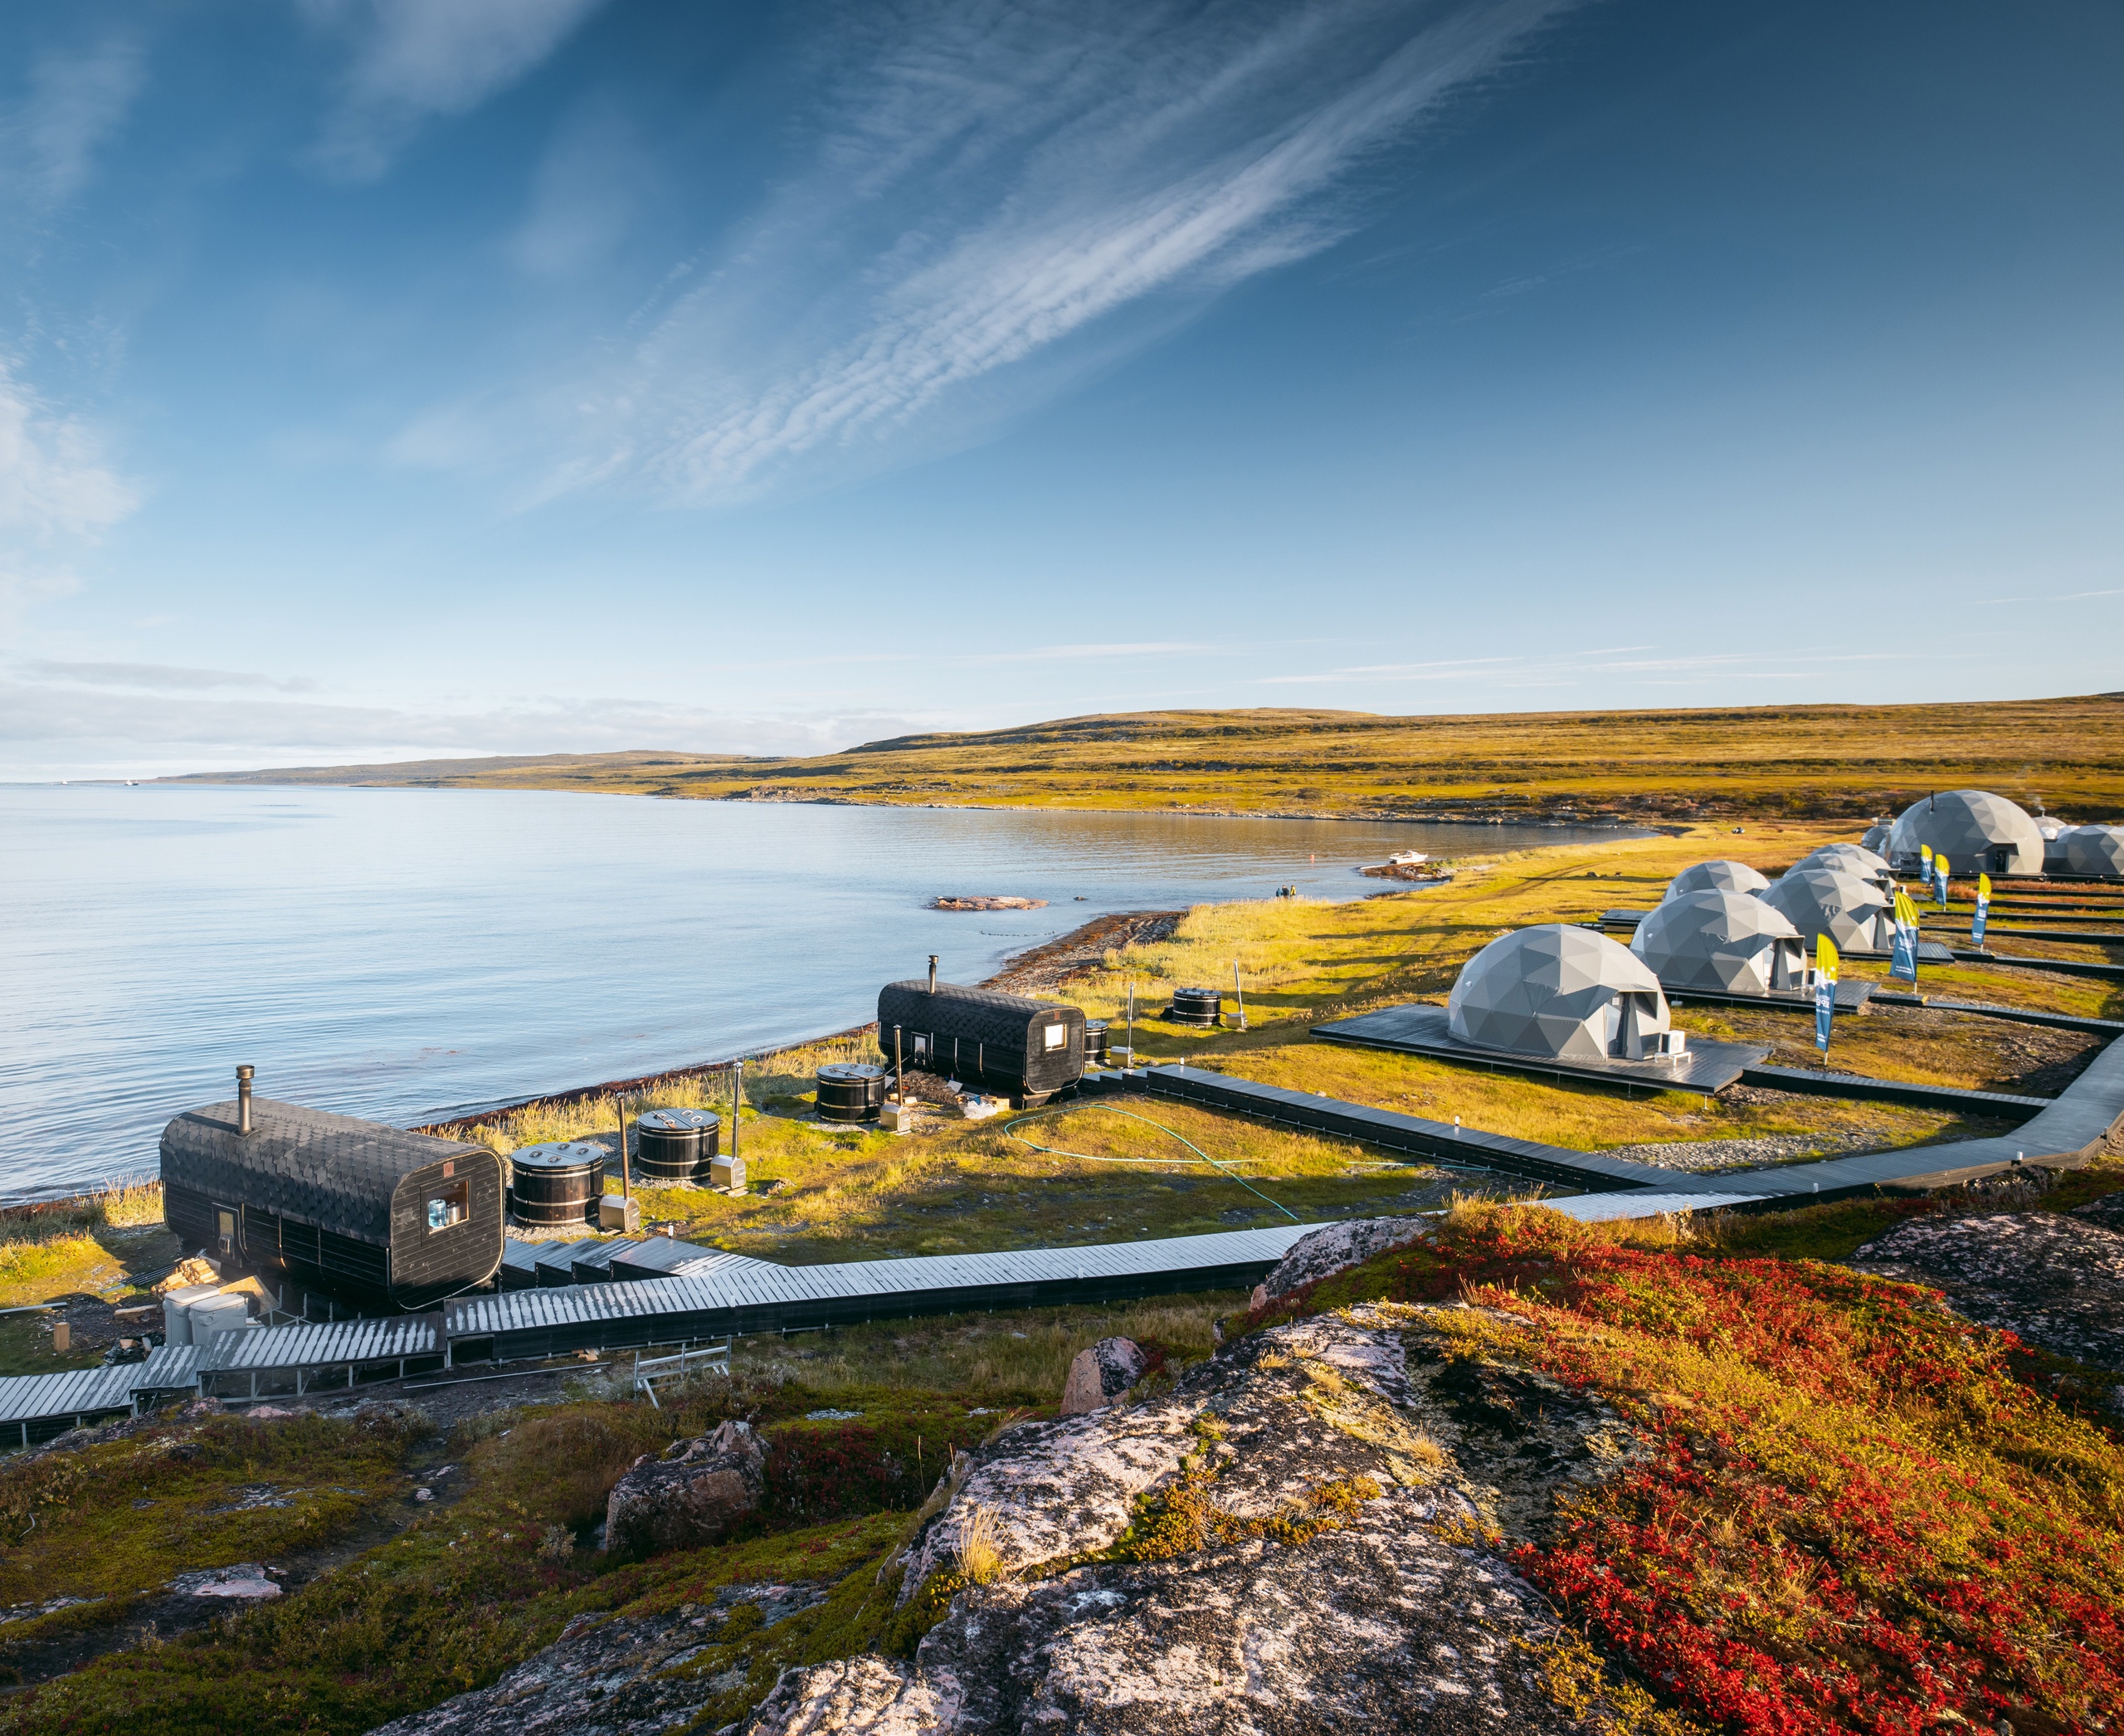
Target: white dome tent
column 1559, row 993
column 1855, row 914
column 2095, row 850
column 1876, row 836
column 2053, row 831
column 1719, row 876
column 1855, row 860
column 1977, row 831
column 1724, row 942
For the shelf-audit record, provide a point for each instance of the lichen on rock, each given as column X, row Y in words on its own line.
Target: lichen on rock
column 1303, row 1533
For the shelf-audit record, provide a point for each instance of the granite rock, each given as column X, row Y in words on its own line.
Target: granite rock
column 1402, row 1613
column 1101, row 1373
column 692, row 1495
column 2054, row 1278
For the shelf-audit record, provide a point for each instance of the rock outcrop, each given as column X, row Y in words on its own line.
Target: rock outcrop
column 694, row 1494
column 1299, row 1535
column 2054, row 1278
column 1335, row 1248
column 605, row 1678
column 1101, row 1373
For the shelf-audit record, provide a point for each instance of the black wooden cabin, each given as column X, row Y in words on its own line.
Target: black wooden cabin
column 1003, row 1043
column 349, row 1209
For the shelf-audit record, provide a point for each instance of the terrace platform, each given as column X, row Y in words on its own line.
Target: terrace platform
column 1705, row 1066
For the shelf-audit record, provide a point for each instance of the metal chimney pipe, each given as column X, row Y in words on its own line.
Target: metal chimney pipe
column 243, row 1075
column 933, row 973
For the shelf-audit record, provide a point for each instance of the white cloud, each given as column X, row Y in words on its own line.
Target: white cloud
column 47, row 727
column 414, row 60
column 76, row 101
column 586, row 196
column 53, row 479
column 1000, row 195
column 158, row 677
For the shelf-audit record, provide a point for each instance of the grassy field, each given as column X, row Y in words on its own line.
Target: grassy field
column 1813, row 761
column 1809, row 1430
column 820, row 1191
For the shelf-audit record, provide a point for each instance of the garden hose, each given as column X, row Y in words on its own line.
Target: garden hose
column 1012, row 1129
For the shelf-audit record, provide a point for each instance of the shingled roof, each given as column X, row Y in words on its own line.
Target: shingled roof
column 305, row 1165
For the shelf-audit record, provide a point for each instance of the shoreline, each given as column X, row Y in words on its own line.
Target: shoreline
column 1551, row 820
column 1038, row 968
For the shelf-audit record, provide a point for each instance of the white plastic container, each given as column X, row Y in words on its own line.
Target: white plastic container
column 216, row 1314
column 177, row 1311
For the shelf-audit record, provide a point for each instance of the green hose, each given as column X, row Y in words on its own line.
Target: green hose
column 1012, row 1129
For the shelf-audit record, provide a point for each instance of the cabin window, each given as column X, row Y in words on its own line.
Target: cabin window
column 225, row 1227
column 1057, row 1037
column 921, row 1046
column 450, row 1205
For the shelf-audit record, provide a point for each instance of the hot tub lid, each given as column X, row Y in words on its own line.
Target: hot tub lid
column 678, row 1121
column 560, row 1154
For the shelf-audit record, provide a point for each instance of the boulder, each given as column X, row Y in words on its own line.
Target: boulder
column 694, row 1494
column 1335, row 1248
column 1102, row 1374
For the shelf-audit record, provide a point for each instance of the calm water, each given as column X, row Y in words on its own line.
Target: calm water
column 403, row 953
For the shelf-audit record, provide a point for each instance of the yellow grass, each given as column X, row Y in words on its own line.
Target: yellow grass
column 1844, row 760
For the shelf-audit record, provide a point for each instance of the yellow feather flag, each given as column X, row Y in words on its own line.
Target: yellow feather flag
column 1825, row 956
column 1905, row 911
column 1925, row 855
column 1983, row 886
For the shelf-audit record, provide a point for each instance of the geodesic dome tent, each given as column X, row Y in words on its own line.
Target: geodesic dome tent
column 1855, row 914
column 1564, row 993
column 1855, row 860
column 1876, row 837
column 2095, row 850
column 2051, row 826
column 1721, row 940
column 1977, row 831
column 1721, row 876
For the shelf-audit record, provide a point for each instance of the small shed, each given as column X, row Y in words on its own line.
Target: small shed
column 347, row 1209
column 1977, row 831
column 1719, row 876
column 1560, row 993
column 1721, row 942
column 2097, row 849
column 1856, row 915
column 1004, row 1043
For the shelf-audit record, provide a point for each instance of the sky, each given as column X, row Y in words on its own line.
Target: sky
column 390, row 379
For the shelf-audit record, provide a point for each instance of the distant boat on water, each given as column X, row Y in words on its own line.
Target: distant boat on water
column 1407, row 858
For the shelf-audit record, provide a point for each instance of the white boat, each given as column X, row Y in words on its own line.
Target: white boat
column 1407, row 858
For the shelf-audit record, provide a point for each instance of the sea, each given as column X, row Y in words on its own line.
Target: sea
column 408, row 955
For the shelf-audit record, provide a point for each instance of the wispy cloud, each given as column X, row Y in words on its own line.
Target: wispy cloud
column 1000, row 194
column 57, row 493
column 42, row 725
column 76, row 99
column 54, row 479
column 1687, row 669
column 160, row 677
column 2067, row 596
column 414, row 60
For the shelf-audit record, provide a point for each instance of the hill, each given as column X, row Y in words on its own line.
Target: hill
column 1796, row 761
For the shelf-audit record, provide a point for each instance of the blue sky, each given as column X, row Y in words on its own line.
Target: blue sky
column 382, row 377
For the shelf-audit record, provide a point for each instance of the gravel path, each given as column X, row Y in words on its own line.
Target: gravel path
column 1709, row 1157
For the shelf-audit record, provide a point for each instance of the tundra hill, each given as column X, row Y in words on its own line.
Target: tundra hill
column 1794, row 761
